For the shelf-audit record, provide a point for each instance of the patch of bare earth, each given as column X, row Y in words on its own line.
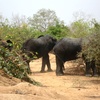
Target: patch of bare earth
column 72, row 86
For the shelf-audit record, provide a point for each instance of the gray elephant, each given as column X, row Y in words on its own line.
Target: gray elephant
column 67, row 49
column 40, row 47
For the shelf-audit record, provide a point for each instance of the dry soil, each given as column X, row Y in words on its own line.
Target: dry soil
column 72, row 86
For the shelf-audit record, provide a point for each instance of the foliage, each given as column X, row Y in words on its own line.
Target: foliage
column 13, row 64
column 80, row 28
column 43, row 19
column 92, row 48
column 59, row 30
column 44, row 22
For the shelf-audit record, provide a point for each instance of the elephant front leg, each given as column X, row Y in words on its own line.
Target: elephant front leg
column 45, row 61
column 59, row 67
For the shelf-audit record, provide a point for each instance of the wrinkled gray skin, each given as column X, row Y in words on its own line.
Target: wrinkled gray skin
column 40, row 47
column 67, row 49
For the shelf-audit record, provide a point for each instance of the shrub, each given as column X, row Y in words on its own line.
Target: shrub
column 92, row 48
column 13, row 64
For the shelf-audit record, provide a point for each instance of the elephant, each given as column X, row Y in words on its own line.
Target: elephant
column 7, row 44
column 67, row 49
column 39, row 47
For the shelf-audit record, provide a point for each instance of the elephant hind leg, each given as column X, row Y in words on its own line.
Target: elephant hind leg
column 94, row 68
column 88, row 67
column 59, row 67
column 48, row 63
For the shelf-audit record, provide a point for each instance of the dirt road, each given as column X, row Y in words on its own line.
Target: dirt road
column 72, row 86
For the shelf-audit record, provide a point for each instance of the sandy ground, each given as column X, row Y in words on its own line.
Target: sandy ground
column 72, row 86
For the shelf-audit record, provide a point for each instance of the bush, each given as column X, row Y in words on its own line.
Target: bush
column 92, row 48
column 12, row 63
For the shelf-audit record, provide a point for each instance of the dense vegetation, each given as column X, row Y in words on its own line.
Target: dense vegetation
column 43, row 22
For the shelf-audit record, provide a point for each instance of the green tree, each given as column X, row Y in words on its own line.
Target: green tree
column 43, row 19
column 80, row 28
column 59, row 30
column 92, row 48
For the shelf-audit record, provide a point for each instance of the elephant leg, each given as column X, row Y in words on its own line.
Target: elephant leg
column 59, row 67
column 43, row 65
column 48, row 63
column 88, row 67
column 94, row 68
column 45, row 61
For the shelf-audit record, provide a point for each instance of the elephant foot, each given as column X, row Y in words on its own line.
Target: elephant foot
column 88, row 75
column 59, row 74
column 49, row 70
column 95, row 75
column 42, row 71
